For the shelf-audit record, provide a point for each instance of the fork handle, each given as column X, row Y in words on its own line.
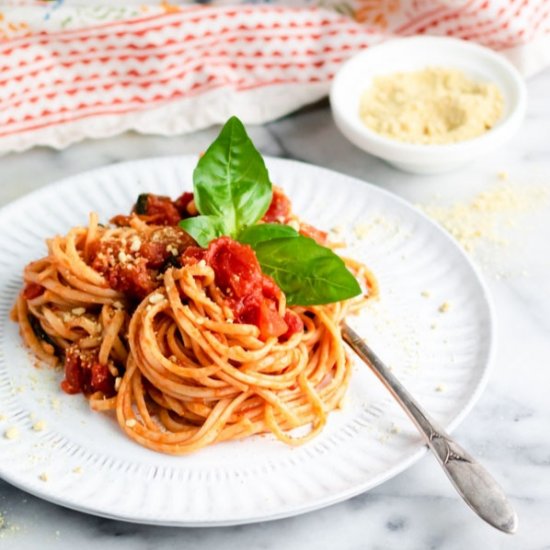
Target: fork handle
column 472, row 481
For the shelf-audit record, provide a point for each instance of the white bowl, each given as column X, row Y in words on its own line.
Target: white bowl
column 409, row 54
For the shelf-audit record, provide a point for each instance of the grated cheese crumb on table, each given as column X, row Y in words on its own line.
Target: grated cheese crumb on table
column 11, row 433
column 39, row 426
column 361, row 230
column 7, row 528
column 488, row 216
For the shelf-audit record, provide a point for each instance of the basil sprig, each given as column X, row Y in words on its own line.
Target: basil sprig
column 232, row 192
column 232, row 189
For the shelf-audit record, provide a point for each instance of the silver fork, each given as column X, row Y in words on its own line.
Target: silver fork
column 472, row 481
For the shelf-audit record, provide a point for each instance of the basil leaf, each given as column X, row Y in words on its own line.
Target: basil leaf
column 39, row 332
column 203, row 228
column 308, row 273
column 255, row 234
column 231, row 181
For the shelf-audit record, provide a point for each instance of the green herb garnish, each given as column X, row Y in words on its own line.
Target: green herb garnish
column 232, row 192
column 141, row 204
column 256, row 234
column 39, row 332
column 231, row 186
column 307, row 272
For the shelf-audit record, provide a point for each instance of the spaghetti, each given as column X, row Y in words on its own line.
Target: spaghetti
column 185, row 348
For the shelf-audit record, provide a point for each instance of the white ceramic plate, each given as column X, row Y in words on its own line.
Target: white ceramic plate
column 91, row 466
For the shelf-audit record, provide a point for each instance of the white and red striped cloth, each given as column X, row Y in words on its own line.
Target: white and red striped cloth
column 68, row 72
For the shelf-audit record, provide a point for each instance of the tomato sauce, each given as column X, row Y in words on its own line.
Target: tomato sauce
column 252, row 296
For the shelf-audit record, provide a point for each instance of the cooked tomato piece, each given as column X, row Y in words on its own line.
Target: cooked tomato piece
column 155, row 254
column 164, row 244
column 124, row 272
column 121, row 220
column 279, row 209
column 312, row 232
column 247, row 309
column 270, row 289
column 135, row 270
column 32, row 290
column 101, row 379
column 237, row 269
column 133, row 279
column 182, row 202
column 255, row 309
column 73, row 373
column 270, row 322
column 158, row 210
column 84, row 373
column 152, row 209
column 294, row 324
column 193, row 255
column 252, row 296
column 161, row 210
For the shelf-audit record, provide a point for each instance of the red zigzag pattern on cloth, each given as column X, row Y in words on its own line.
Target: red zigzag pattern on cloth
column 120, row 68
column 131, row 66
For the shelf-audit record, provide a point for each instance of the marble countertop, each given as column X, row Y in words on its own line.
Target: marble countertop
column 508, row 430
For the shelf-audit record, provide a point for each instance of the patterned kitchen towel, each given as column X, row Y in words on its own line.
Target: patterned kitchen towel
column 72, row 70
